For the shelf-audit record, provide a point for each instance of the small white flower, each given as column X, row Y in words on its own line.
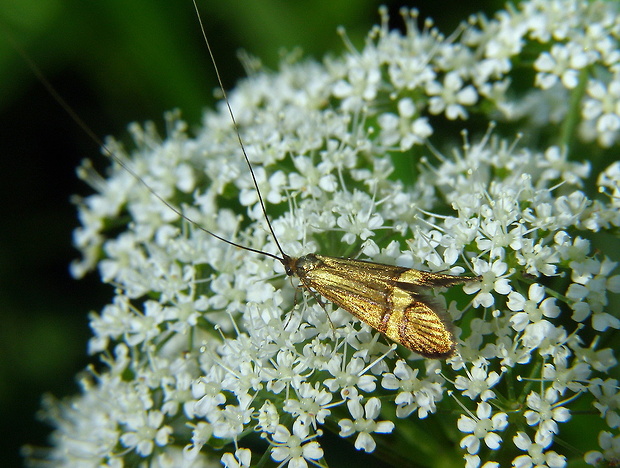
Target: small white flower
column 544, row 336
column 360, row 86
column 349, row 376
column 478, row 382
column 241, row 459
column 207, row 394
column 286, row 369
column 607, row 400
column 310, row 406
column 567, row 374
column 271, row 187
column 482, row 426
column 451, row 96
column 536, row 455
column 268, row 418
column 562, row 63
column 364, row 423
column 230, row 421
column 297, row 447
column 589, row 293
column 611, row 450
column 201, row 433
column 544, row 412
column 533, row 309
column 558, row 166
column 414, row 393
column 603, row 109
column 312, row 179
column 145, row 430
column 406, row 128
column 494, row 278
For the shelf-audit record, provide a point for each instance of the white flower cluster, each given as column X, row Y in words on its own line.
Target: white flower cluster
column 207, row 346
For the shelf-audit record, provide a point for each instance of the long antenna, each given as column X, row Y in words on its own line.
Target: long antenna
column 78, row 120
column 234, row 121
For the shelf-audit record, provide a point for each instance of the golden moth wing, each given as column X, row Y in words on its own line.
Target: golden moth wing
column 417, row 326
column 385, row 297
column 366, row 302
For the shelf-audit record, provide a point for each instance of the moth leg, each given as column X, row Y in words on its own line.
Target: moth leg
column 290, row 313
column 288, row 319
column 319, row 300
column 297, row 288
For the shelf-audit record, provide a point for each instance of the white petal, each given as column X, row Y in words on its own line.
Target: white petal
column 373, row 407
column 384, row 427
column 297, row 462
column 466, row 424
column 492, row 440
column 313, row 451
column 365, row 442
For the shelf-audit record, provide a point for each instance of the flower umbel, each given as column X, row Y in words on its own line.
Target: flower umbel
column 207, row 350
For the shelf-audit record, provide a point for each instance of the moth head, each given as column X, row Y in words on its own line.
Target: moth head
column 290, row 264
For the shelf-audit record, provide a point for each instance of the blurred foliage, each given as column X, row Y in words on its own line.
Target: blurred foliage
column 114, row 61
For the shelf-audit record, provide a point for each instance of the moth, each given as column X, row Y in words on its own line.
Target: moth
column 390, row 299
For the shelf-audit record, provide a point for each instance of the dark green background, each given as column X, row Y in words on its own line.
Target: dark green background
column 114, row 61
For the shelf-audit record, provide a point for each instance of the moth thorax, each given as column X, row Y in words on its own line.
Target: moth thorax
column 306, row 263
